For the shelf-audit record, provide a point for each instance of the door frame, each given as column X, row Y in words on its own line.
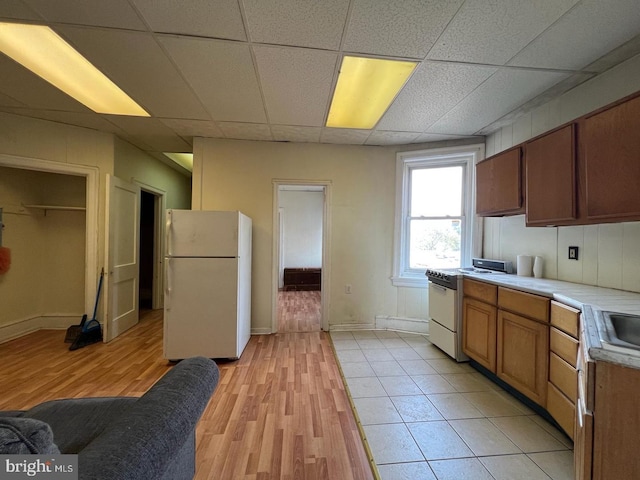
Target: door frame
column 159, row 209
column 326, row 249
column 92, row 176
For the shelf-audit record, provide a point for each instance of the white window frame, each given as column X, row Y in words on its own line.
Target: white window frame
column 471, row 242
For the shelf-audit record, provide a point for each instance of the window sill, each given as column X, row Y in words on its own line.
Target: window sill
column 415, row 282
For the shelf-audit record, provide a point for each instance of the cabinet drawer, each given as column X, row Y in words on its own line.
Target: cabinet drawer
column 564, row 346
column 482, row 291
column 565, row 318
column 527, row 304
column 561, row 409
column 563, row 376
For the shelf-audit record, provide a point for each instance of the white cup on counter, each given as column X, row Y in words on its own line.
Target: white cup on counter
column 524, row 265
column 538, row 266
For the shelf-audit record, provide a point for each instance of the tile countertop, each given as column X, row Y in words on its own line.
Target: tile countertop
column 589, row 299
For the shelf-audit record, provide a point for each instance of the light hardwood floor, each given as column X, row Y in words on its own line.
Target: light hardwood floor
column 299, row 311
column 280, row 412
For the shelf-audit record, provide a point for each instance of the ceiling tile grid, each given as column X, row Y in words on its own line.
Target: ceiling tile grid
column 304, row 23
column 296, row 83
column 257, row 70
column 219, row 19
column 401, row 28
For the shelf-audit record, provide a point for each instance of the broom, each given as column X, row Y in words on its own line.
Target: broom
column 90, row 331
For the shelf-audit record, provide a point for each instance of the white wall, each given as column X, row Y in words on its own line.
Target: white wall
column 609, row 254
column 302, row 228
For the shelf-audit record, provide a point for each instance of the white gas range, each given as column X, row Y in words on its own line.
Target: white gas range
column 445, row 303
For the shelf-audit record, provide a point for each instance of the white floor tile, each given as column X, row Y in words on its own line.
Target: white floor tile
column 376, row 410
column 510, row 467
column 350, row 356
column 447, row 365
column 392, row 443
column 403, row 385
column 460, row 469
column 406, row 471
column 404, row 353
column 387, row 369
column 417, row 367
column 341, row 335
column 346, row 345
column 365, row 387
column 558, row 465
column 527, row 435
column 453, row 406
column 492, row 404
column 377, row 355
column 483, row 437
column 416, row 408
column 366, row 343
column 394, row 343
column 433, row 384
column 357, row 369
column 438, row 441
column 466, row 382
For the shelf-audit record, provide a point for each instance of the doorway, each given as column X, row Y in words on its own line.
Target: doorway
column 300, row 210
column 150, row 278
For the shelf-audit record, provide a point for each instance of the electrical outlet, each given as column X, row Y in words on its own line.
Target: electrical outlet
column 573, row 253
column 347, row 289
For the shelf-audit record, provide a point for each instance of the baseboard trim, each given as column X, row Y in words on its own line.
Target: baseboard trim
column 25, row 326
column 349, row 327
column 261, row 331
column 403, row 324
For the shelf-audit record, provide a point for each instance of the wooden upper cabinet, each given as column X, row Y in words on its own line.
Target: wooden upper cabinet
column 551, row 178
column 611, row 143
column 499, row 184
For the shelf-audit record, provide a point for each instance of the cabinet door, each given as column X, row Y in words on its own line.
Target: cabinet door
column 523, row 355
column 551, row 178
column 612, row 162
column 499, row 184
column 479, row 332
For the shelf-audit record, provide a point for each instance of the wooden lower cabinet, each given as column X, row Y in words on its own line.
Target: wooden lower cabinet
column 523, row 355
column 479, row 332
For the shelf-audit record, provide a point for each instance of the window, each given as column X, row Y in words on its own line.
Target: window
column 435, row 224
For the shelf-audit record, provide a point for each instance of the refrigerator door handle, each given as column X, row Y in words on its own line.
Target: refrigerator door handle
column 167, row 234
column 168, row 280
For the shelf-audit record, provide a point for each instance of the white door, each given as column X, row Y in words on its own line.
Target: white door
column 122, row 253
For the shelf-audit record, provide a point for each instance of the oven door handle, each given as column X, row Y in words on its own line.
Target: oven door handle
column 439, row 287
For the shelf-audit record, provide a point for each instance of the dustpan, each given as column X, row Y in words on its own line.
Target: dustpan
column 87, row 332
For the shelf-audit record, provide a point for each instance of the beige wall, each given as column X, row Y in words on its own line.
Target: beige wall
column 23, row 140
column 237, row 175
column 132, row 163
column 47, row 248
column 609, row 253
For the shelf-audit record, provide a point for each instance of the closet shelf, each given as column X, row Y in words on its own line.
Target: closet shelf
column 55, row 207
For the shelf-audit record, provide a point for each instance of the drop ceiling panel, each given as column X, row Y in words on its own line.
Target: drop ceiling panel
column 347, row 136
column 111, row 13
column 589, row 31
column 493, row 31
column 16, row 9
column 296, row 83
column 287, row 133
column 92, row 121
column 219, row 19
column 23, row 86
column 512, row 86
column 246, row 131
column 304, row 23
column 432, row 91
column 380, row 137
column 222, row 75
column 137, row 64
column 193, row 128
column 403, row 28
column 152, row 132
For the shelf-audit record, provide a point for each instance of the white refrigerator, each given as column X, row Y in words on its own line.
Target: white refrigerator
column 207, row 298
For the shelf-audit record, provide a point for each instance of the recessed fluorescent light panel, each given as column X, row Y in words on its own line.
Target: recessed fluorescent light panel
column 46, row 54
column 365, row 89
column 185, row 160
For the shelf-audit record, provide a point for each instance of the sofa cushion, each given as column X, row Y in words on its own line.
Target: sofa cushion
column 76, row 422
column 23, row 436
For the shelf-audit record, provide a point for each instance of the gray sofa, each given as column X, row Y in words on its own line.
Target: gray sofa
column 151, row 437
